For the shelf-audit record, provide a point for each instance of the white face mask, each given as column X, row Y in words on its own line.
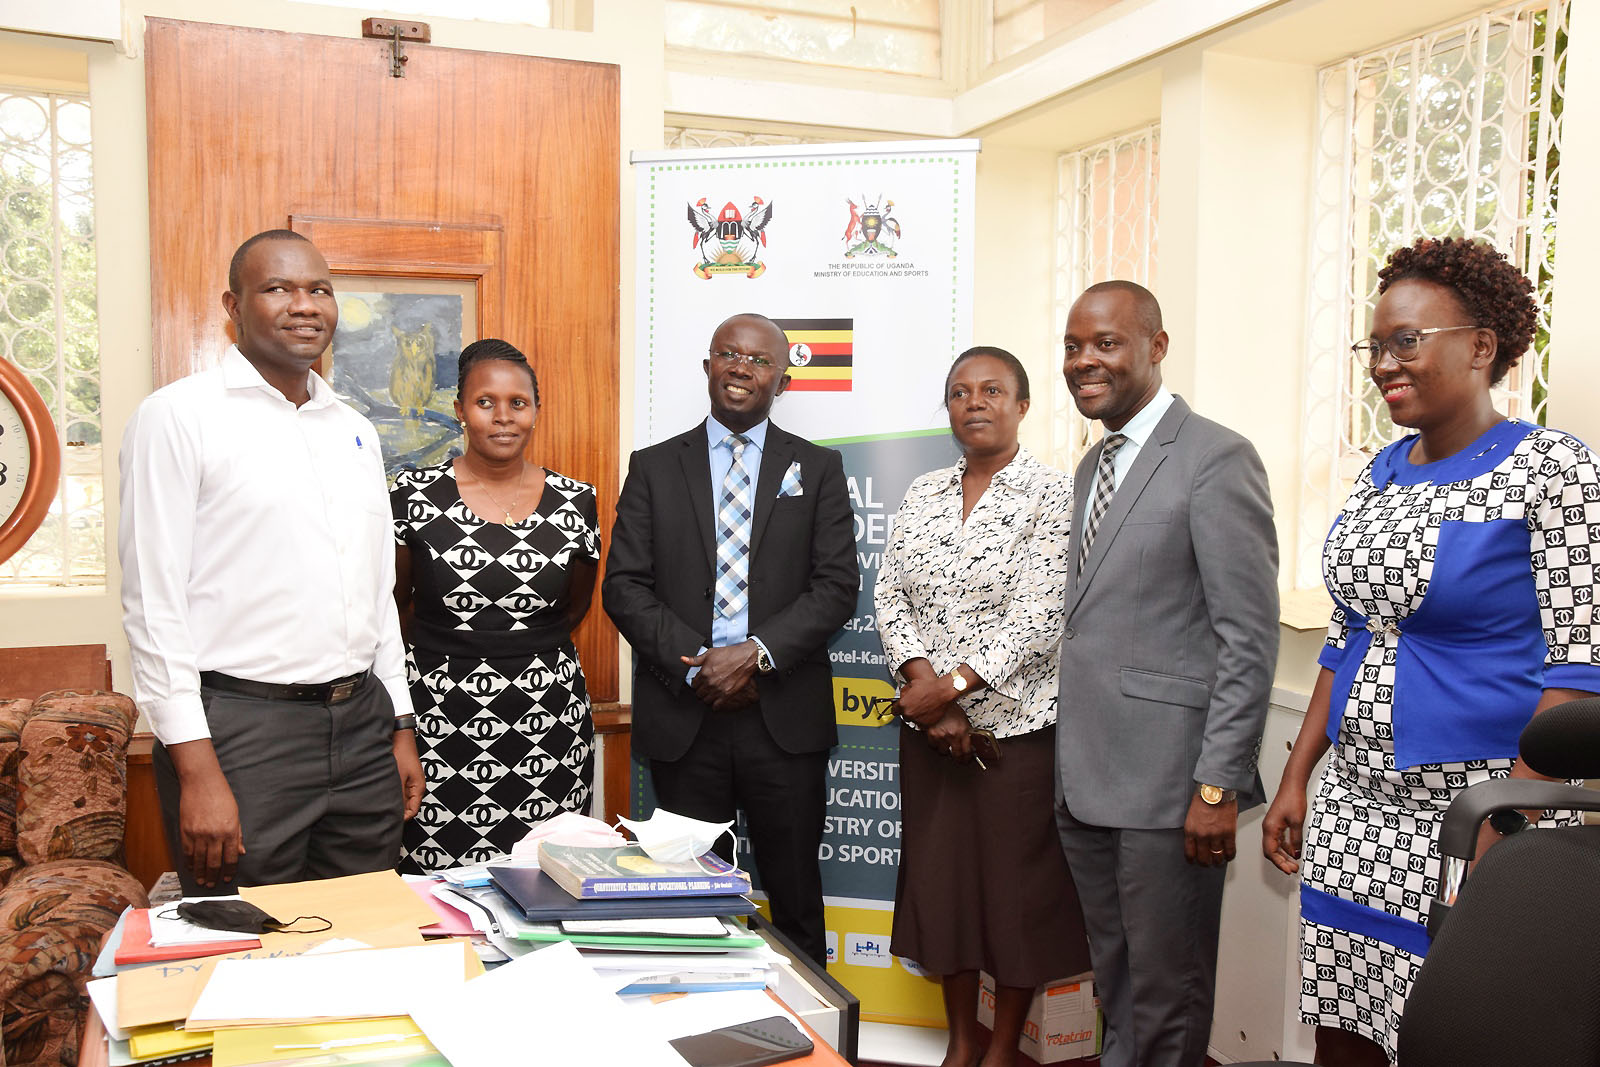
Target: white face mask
column 668, row 837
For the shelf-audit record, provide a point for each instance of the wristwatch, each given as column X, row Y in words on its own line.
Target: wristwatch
column 958, row 680
column 405, row 722
column 763, row 661
column 1215, row 794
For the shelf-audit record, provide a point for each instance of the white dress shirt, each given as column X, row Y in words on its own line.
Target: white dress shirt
column 255, row 540
column 988, row 592
column 1138, row 430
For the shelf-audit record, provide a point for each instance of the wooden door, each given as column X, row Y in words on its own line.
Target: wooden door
column 501, row 171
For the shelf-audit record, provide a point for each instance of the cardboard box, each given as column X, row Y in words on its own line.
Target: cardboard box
column 1063, row 1023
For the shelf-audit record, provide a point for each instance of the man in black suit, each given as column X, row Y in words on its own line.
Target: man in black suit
column 733, row 562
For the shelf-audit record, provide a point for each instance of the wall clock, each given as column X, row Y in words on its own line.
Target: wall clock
column 30, row 459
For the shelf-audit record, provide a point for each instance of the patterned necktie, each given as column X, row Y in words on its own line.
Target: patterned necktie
column 1105, row 486
column 733, row 533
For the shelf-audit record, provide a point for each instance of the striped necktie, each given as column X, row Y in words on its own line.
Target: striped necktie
column 1105, row 486
column 733, row 533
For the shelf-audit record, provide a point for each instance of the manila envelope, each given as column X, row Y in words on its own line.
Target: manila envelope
column 353, row 904
column 164, row 992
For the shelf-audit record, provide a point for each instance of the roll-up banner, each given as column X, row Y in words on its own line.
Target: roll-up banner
column 863, row 254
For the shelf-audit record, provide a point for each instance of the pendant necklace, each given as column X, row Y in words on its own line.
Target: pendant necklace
column 520, row 479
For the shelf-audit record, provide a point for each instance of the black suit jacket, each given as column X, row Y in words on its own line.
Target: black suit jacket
column 659, row 585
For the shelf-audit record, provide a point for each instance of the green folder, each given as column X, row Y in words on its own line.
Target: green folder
column 737, row 937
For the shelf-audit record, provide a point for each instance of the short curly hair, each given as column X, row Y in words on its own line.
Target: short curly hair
column 1493, row 291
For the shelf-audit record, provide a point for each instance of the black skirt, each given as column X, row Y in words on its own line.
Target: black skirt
column 983, row 883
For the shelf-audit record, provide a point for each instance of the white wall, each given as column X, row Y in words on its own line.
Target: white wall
column 626, row 33
column 1236, row 107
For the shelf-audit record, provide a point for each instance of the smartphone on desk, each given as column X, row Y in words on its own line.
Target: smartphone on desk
column 745, row 1045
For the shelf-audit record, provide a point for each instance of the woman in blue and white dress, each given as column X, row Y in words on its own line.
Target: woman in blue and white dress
column 1461, row 572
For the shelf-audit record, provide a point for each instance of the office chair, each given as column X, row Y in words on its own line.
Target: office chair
column 1513, row 976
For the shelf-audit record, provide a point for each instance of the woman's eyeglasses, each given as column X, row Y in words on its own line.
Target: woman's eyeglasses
column 1402, row 344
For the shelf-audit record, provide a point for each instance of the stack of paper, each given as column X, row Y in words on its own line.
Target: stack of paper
column 551, row 993
column 314, row 987
column 656, row 972
column 691, row 953
column 371, row 991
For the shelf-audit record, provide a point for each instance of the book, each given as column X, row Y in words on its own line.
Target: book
column 542, row 900
column 627, row 871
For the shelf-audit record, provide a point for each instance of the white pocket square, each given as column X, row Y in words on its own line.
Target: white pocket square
column 791, row 482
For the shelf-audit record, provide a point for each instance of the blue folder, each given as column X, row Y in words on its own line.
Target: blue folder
column 542, row 900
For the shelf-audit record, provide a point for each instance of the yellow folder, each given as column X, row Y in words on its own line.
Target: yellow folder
column 351, row 1040
column 149, row 1042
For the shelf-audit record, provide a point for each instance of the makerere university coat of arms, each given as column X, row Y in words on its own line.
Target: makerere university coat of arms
column 730, row 243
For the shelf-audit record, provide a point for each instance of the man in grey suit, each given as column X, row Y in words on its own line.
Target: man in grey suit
column 1167, row 657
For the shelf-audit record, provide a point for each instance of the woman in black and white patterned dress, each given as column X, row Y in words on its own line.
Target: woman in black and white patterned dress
column 1463, row 580
column 970, row 602
column 496, row 562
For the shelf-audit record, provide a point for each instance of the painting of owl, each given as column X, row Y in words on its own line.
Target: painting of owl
column 411, row 376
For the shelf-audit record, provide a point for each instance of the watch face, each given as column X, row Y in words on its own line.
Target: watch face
column 1211, row 794
column 30, row 459
column 15, row 458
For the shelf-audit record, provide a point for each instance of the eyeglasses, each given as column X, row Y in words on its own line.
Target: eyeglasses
column 1402, row 344
column 759, row 362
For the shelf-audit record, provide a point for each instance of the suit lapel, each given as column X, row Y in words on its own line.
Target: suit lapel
column 696, row 460
column 1150, row 457
column 775, row 459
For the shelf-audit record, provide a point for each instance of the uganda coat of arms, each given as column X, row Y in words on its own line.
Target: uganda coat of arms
column 872, row 230
column 730, row 242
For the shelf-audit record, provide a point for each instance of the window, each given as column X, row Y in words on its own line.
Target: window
column 1456, row 132
column 1017, row 24
column 525, row 12
column 897, row 36
column 1105, row 228
column 694, row 137
column 49, row 324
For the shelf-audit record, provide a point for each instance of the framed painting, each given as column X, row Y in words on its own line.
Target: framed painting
column 393, row 359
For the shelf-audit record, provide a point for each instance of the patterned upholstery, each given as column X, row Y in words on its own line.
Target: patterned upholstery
column 13, row 713
column 63, row 778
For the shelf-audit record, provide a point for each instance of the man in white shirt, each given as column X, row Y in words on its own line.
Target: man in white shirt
column 257, row 595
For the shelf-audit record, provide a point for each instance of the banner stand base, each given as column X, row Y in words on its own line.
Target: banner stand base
column 918, row 1046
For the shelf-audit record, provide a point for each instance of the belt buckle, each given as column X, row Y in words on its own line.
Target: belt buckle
column 1379, row 628
column 339, row 692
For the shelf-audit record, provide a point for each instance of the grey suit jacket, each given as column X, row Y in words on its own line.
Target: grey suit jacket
column 1171, row 634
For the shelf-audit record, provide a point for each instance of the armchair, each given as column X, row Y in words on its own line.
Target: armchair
column 63, row 779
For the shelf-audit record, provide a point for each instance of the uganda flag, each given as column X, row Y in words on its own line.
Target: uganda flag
column 820, row 354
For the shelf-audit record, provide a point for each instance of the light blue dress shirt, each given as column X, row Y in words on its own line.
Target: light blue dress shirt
column 736, row 628
column 1137, row 430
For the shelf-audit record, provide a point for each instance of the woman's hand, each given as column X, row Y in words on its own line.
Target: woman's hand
column 1282, row 829
column 951, row 734
column 923, row 700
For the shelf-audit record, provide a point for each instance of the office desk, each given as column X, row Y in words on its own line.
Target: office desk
column 93, row 1052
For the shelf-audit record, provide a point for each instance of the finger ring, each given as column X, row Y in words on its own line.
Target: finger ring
column 1216, row 852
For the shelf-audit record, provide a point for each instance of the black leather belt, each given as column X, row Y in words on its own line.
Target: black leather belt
column 335, row 692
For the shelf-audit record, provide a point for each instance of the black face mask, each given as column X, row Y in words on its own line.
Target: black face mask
column 242, row 915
